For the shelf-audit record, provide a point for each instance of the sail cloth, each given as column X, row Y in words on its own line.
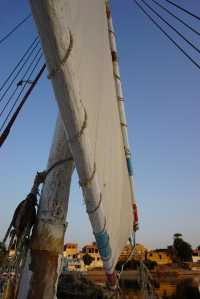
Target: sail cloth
column 83, row 80
column 93, row 69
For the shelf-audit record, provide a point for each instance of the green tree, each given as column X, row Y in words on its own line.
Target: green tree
column 87, row 259
column 182, row 249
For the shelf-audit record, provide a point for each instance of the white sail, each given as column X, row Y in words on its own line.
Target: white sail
column 81, row 70
column 93, row 69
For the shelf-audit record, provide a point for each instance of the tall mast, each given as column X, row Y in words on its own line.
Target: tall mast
column 43, row 262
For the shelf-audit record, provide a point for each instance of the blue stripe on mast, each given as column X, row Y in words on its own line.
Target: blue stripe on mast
column 129, row 165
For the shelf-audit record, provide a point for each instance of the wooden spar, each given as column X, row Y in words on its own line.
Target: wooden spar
column 42, row 266
column 122, row 114
column 56, row 41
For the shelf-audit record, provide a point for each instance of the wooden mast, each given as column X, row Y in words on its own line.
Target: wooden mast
column 43, row 262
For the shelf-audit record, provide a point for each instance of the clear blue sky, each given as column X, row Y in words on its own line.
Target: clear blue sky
column 162, row 102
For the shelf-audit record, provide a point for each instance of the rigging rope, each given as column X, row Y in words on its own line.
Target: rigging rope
column 133, row 248
column 57, row 164
column 146, row 279
column 5, row 133
column 18, row 64
column 172, row 27
column 19, row 84
column 5, row 37
column 26, row 82
column 19, row 71
column 167, row 35
column 177, row 18
column 183, row 9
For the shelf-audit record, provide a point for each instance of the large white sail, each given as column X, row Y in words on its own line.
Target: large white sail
column 93, row 69
column 85, row 89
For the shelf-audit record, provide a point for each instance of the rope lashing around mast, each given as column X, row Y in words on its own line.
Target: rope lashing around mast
column 112, row 32
column 117, row 77
column 114, row 56
column 124, row 125
column 39, row 179
column 6, row 131
column 83, row 127
column 120, row 99
column 86, row 183
column 98, row 205
column 58, row 67
column 41, row 176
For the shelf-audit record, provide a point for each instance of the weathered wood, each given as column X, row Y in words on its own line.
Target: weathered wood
column 41, row 270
